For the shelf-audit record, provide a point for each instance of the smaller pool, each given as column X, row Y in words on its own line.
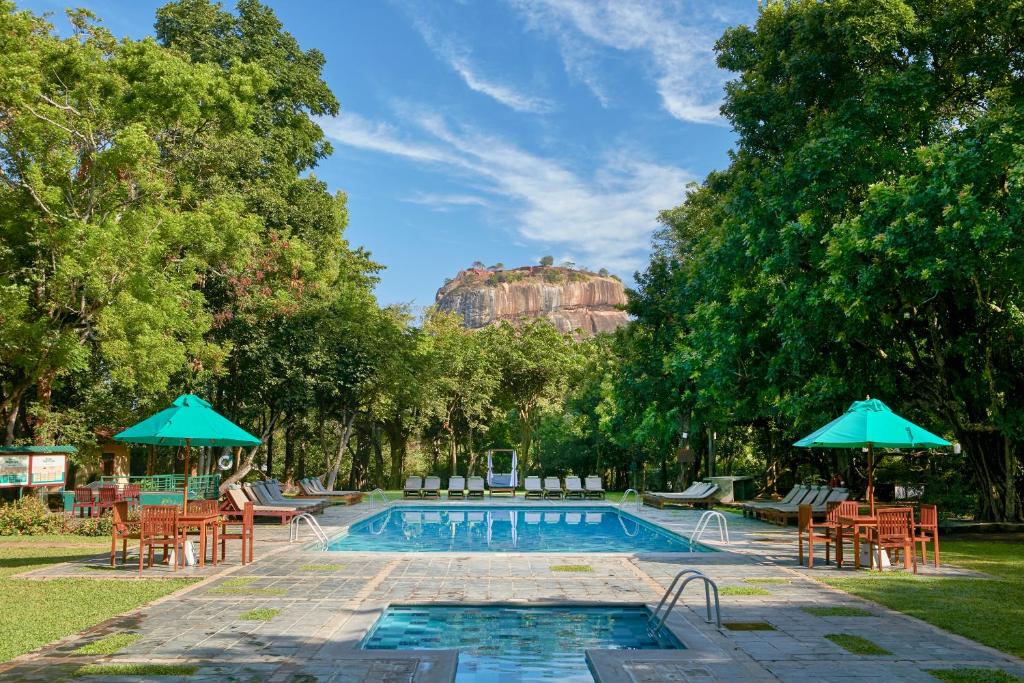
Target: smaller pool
column 520, row 529
column 500, row 643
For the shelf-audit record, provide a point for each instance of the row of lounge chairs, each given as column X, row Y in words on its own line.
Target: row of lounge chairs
column 458, row 487
column 782, row 511
column 269, row 501
column 698, row 493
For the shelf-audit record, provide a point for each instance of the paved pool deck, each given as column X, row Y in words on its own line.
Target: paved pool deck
column 325, row 602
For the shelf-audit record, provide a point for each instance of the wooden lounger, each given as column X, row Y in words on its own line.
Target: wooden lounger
column 707, row 494
column 234, row 506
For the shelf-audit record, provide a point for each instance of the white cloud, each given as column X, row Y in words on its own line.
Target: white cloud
column 605, row 220
column 444, row 202
column 678, row 42
column 458, row 58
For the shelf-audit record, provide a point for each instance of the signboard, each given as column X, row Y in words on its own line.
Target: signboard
column 48, row 469
column 13, row 470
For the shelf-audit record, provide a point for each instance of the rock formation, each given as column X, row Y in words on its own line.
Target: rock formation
column 575, row 301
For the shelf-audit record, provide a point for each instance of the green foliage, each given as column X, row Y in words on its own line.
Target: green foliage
column 259, row 614
column 128, row 669
column 547, row 260
column 30, row 517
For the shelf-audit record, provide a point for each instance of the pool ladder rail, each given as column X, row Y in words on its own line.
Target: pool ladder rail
column 661, row 612
column 625, row 496
column 705, row 521
column 293, row 528
column 380, row 493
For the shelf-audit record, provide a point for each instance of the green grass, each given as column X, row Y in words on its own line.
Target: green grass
column 974, row 676
column 320, row 567
column 838, row 612
column 977, row 609
column 39, row 612
column 108, row 645
column 748, row 626
column 243, row 586
column 109, row 670
column 856, row 644
column 571, row 568
column 742, row 590
column 766, row 581
column 259, row 614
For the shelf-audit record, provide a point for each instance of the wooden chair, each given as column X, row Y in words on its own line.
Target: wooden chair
column 208, row 507
column 823, row 532
column 107, row 498
column 158, row 526
column 246, row 533
column 120, row 531
column 133, row 494
column 83, row 499
column 895, row 531
column 926, row 530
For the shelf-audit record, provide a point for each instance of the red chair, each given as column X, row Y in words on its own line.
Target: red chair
column 246, row 533
column 895, row 531
column 107, row 497
column 120, row 531
column 824, row 532
column 83, row 499
column 133, row 494
column 158, row 526
column 926, row 530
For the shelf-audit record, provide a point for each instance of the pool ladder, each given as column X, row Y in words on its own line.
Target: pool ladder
column 658, row 616
column 705, row 521
column 625, row 496
column 380, row 493
column 293, row 528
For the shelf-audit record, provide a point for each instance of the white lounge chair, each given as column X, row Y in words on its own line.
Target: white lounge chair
column 701, row 493
column 475, row 487
column 552, row 487
column 574, row 488
column 532, row 487
column 432, row 487
column 456, row 486
column 413, row 487
column 594, row 489
column 750, row 509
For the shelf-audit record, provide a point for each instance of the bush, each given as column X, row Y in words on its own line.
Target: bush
column 30, row 517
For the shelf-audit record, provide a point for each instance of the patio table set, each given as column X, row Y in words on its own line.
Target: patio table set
column 99, row 500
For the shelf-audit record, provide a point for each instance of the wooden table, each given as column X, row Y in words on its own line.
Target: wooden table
column 856, row 524
column 201, row 521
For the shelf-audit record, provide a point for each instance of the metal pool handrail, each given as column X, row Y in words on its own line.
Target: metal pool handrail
column 622, row 501
column 705, row 520
column 380, row 492
column 694, row 575
column 293, row 528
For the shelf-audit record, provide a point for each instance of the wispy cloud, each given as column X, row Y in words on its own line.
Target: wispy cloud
column 458, row 58
column 678, row 42
column 445, row 202
column 605, row 219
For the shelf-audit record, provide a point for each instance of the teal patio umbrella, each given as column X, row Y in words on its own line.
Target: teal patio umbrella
column 189, row 421
column 867, row 424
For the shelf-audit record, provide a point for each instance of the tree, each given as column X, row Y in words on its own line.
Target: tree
column 547, row 261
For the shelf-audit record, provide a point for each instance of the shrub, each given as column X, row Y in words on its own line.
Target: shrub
column 30, row 517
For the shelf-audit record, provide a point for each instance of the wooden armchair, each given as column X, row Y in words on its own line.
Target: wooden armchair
column 243, row 530
column 108, row 496
column 133, row 494
column 895, row 531
column 824, row 532
column 158, row 526
column 120, row 531
column 83, row 500
column 926, row 530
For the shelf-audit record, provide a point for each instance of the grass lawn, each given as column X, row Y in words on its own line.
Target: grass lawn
column 979, row 609
column 38, row 612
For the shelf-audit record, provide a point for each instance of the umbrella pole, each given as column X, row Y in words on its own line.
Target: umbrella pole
column 184, row 494
column 871, row 478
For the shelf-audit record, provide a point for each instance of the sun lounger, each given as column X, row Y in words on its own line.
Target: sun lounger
column 432, row 487
column 234, row 505
column 573, row 488
column 475, row 487
column 313, row 488
column 456, row 486
column 552, row 487
column 277, row 496
column 532, row 487
column 781, row 514
column 594, row 487
column 413, row 487
column 702, row 494
column 750, row 508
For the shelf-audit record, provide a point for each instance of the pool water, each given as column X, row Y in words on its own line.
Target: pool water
column 498, row 644
column 508, row 529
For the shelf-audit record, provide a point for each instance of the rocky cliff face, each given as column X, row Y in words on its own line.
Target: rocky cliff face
column 575, row 301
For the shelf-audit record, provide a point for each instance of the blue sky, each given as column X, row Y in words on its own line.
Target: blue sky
column 504, row 130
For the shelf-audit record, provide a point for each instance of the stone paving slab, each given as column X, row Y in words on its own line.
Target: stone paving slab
column 326, row 601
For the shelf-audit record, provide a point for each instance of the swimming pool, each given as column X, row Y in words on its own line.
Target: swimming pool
column 501, row 643
column 509, row 529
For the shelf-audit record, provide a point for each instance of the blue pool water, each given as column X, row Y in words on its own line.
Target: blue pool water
column 498, row 644
column 508, row 529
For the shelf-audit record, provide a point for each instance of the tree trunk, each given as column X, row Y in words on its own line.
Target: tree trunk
column 378, row 455
column 453, row 452
column 525, row 437
column 270, row 455
column 343, row 438
column 397, row 443
column 992, row 458
column 289, row 453
column 246, row 465
column 360, row 461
